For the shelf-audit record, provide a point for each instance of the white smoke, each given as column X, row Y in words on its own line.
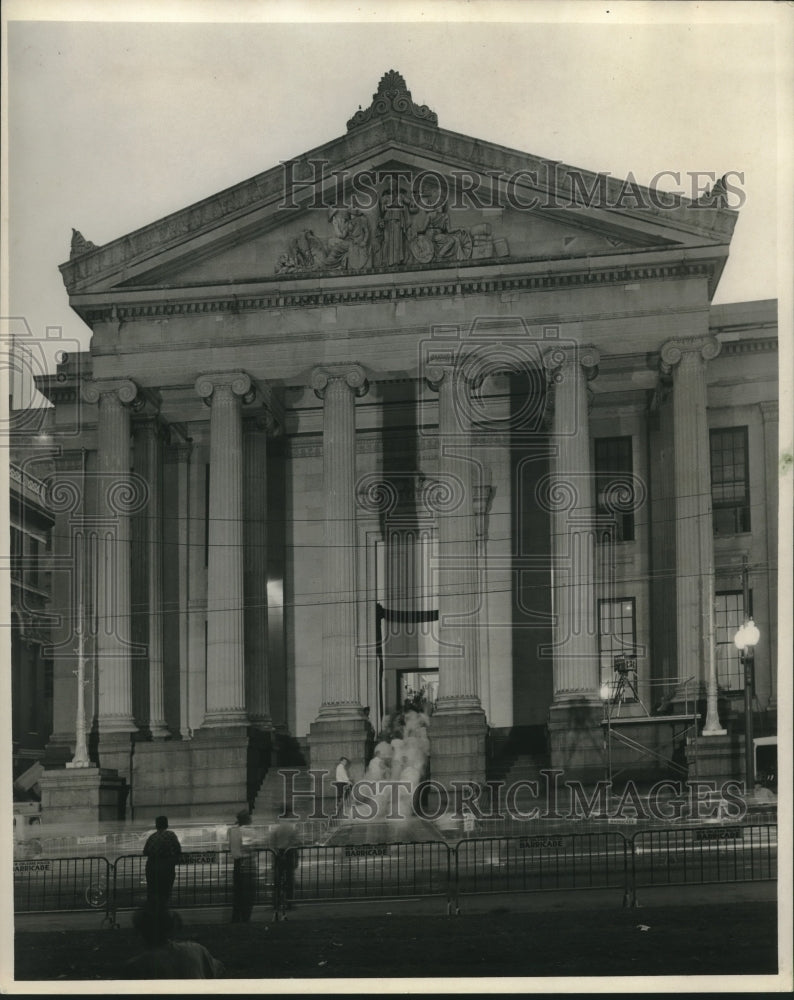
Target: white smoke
column 403, row 758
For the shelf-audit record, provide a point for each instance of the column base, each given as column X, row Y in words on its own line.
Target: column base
column 159, row 732
column 82, row 795
column 576, row 740
column 114, row 751
column 207, row 776
column 457, row 744
column 330, row 739
column 222, row 720
column 717, row 758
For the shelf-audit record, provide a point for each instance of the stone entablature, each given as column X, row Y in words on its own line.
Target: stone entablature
column 569, row 275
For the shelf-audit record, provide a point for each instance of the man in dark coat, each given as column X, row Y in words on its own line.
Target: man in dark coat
column 163, row 852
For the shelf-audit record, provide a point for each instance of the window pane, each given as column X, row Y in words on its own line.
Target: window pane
column 728, row 619
column 730, row 489
column 616, row 638
column 613, row 466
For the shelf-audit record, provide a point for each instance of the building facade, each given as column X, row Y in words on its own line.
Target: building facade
column 411, row 417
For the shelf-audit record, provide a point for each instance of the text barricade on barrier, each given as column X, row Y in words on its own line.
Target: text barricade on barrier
column 704, row 854
column 203, row 878
column 355, row 871
column 542, row 861
column 48, row 884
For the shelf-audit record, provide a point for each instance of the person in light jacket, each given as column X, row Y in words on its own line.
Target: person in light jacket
column 244, row 876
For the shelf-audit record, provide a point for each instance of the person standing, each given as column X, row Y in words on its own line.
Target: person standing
column 343, row 785
column 163, row 852
column 243, row 878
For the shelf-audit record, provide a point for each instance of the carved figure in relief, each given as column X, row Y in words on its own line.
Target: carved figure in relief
column 405, row 233
column 392, row 227
column 360, row 253
column 347, row 249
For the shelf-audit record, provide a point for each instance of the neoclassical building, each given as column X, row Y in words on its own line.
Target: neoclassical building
column 412, row 413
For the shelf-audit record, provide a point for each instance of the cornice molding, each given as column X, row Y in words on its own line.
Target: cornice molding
column 313, row 298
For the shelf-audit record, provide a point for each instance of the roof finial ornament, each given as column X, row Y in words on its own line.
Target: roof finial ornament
column 80, row 245
column 393, row 97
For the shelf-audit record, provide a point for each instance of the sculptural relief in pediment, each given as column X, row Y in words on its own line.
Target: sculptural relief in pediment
column 400, row 232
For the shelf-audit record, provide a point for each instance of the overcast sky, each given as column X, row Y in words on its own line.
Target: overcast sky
column 114, row 125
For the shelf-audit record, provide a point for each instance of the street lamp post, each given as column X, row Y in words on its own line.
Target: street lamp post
column 744, row 640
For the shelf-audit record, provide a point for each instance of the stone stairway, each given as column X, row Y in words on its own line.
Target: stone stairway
column 289, row 755
column 520, row 758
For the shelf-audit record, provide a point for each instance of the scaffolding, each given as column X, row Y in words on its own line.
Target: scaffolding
column 683, row 725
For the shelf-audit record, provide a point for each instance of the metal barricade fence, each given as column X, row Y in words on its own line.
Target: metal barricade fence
column 530, row 863
column 541, row 862
column 62, row 884
column 704, row 854
column 358, row 871
column 203, row 878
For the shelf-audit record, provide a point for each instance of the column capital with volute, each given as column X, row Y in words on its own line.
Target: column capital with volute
column 128, row 392
column 352, row 374
column 239, row 383
column 556, row 358
column 674, row 351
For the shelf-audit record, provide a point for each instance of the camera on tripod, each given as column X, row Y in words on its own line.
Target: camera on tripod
column 624, row 665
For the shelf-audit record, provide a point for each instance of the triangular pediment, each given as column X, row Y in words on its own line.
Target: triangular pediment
column 393, row 232
column 397, row 193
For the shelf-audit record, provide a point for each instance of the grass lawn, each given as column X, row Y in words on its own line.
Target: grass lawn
column 695, row 939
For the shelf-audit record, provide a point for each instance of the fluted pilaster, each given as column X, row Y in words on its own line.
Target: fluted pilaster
column 458, row 595
column 686, row 359
column 569, row 497
column 255, row 429
column 338, row 386
column 225, row 589
column 148, row 438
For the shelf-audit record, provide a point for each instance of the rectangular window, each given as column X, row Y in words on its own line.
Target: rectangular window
column 617, row 639
column 614, row 491
column 728, row 619
column 730, row 480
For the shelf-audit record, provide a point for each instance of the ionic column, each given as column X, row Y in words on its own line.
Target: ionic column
column 458, row 596
column 225, row 590
column 572, row 507
column 114, row 610
column 693, row 528
column 255, row 430
column 178, row 454
column 148, row 442
column 72, row 583
column 338, row 386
